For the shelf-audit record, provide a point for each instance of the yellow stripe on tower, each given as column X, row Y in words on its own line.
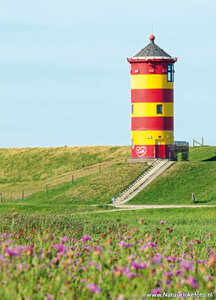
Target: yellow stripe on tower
column 150, row 110
column 149, row 137
column 150, row 81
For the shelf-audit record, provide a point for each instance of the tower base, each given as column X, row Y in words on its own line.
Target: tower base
column 152, row 151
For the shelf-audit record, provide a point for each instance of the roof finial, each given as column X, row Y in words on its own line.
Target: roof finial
column 152, row 38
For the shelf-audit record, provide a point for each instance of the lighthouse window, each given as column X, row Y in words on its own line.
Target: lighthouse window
column 132, row 144
column 132, row 109
column 159, row 109
column 170, row 73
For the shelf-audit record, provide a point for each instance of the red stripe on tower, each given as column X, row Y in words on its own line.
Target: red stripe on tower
column 149, row 68
column 151, row 95
column 151, row 123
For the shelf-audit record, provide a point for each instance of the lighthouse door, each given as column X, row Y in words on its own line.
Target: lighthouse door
column 159, row 148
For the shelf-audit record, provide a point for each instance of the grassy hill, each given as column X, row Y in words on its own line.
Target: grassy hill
column 176, row 185
column 39, row 258
column 100, row 173
column 45, row 176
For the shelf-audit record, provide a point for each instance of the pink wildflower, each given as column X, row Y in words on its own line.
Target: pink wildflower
column 94, row 289
column 128, row 273
column 64, row 239
column 193, row 282
column 11, row 252
column 86, row 238
column 156, row 291
column 139, row 265
column 157, row 258
column 124, row 244
column 187, row 265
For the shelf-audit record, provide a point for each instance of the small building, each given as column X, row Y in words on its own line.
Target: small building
column 181, row 150
column 152, row 77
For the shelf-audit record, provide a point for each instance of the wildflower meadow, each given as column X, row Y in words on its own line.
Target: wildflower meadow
column 119, row 266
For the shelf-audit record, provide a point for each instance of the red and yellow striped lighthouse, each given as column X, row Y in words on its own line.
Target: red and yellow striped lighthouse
column 152, row 77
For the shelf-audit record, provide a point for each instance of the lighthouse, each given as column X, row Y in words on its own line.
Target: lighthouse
column 152, row 80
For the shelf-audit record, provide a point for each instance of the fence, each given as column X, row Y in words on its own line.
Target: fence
column 47, row 185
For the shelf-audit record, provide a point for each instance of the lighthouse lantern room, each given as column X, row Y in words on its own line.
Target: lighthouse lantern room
column 152, row 77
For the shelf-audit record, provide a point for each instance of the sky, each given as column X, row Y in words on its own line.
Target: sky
column 65, row 79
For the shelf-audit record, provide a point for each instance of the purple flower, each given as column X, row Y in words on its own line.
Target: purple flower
column 98, row 266
column 59, row 247
column 193, row 282
column 171, row 258
column 128, row 273
column 169, row 274
column 187, row 265
column 3, row 235
column 94, row 289
column 156, row 291
column 127, row 237
column 168, row 282
column 157, row 258
column 49, row 297
column 179, row 272
column 162, row 222
column 86, row 238
column 139, row 265
column 207, row 236
column 11, row 252
column 97, row 250
column 64, row 239
column 179, row 243
column 124, row 244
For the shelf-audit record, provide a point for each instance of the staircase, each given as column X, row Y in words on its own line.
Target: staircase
column 157, row 168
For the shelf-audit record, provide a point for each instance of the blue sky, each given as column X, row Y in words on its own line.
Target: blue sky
column 64, row 78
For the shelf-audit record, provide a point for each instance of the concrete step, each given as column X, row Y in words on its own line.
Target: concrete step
column 158, row 167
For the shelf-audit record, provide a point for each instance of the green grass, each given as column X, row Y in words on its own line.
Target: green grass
column 89, row 192
column 72, row 210
column 36, row 263
column 25, row 168
column 176, row 185
column 185, row 221
column 94, row 186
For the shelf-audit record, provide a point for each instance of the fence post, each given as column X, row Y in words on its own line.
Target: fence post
column 0, row 197
column 193, row 197
column 202, row 141
column 47, row 188
column 72, row 179
column 22, row 195
column 99, row 167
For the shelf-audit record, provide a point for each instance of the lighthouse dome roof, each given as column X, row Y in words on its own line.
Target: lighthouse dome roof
column 152, row 50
